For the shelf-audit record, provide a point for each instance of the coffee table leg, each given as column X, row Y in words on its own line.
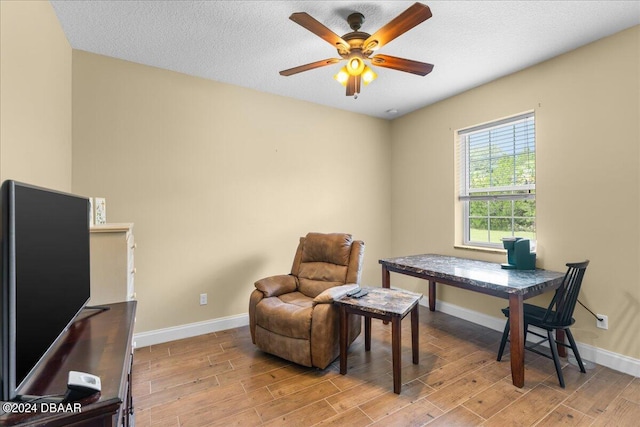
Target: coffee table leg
column 396, row 340
column 367, row 333
column 414, row 334
column 344, row 336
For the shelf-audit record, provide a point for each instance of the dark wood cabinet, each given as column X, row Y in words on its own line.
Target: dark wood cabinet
column 99, row 343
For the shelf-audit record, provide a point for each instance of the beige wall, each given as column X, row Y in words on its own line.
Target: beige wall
column 221, row 181
column 35, row 96
column 588, row 179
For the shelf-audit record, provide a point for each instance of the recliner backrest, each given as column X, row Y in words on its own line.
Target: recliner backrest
column 326, row 260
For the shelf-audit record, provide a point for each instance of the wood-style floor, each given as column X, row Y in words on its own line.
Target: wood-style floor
column 222, row 379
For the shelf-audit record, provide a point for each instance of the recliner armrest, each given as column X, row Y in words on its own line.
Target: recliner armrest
column 335, row 293
column 277, row 285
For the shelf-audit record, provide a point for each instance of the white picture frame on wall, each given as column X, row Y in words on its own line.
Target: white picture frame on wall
column 91, row 212
column 100, row 204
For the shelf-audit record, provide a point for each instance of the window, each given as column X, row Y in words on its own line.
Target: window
column 498, row 181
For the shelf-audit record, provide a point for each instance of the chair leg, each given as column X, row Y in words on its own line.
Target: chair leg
column 505, row 335
column 574, row 347
column 556, row 358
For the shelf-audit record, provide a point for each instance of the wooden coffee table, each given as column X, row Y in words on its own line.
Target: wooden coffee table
column 390, row 305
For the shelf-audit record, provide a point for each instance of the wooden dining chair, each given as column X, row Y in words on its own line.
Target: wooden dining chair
column 558, row 316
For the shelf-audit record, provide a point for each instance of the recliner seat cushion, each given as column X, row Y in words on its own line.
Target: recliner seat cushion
column 288, row 315
column 315, row 277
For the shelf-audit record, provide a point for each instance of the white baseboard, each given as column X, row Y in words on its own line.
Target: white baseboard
column 495, row 323
column 612, row 360
column 144, row 339
column 603, row 357
column 616, row 361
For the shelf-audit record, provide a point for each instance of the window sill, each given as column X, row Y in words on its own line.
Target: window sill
column 480, row 249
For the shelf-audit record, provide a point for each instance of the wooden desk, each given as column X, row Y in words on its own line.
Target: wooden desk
column 484, row 277
column 99, row 343
column 390, row 305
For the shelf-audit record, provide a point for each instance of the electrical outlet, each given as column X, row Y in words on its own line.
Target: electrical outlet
column 604, row 323
column 203, row 299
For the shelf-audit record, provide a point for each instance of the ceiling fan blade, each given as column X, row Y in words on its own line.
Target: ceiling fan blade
column 353, row 85
column 317, row 28
column 311, row 66
column 400, row 24
column 401, row 64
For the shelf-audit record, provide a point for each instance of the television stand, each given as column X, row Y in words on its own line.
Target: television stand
column 98, row 343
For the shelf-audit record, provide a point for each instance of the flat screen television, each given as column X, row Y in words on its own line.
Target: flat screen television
column 45, row 275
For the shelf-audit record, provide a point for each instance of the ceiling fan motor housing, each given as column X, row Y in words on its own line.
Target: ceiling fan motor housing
column 355, row 38
column 355, row 20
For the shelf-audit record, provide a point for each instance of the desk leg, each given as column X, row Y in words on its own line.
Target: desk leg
column 396, row 340
column 367, row 333
column 344, row 337
column 386, row 283
column 414, row 334
column 386, row 279
column 562, row 350
column 432, row 295
column 516, row 325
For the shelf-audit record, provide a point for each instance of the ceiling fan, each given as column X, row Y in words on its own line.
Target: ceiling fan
column 357, row 47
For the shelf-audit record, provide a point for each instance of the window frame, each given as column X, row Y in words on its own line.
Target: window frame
column 519, row 192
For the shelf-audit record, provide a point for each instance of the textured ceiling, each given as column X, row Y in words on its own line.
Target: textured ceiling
column 246, row 43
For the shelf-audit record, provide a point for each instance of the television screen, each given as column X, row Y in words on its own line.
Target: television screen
column 46, row 273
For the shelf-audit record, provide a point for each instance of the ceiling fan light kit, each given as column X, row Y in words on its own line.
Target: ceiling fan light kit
column 355, row 65
column 368, row 75
column 342, row 76
column 357, row 47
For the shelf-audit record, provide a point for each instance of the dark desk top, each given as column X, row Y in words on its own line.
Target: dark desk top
column 481, row 276
column 387, row 302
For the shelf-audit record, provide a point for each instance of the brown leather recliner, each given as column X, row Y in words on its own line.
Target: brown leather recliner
column 293, row 316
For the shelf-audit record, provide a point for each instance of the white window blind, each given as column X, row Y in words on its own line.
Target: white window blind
column 497, row 179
